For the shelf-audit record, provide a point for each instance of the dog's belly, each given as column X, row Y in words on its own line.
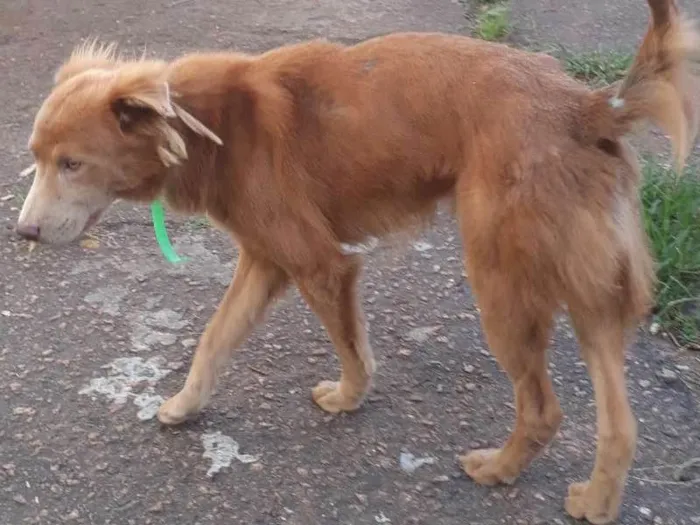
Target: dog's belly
column 406, row 210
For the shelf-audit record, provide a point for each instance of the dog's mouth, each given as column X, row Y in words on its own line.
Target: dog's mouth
column 92, row 220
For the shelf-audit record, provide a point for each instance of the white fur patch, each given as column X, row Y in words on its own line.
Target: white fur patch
column 616, row 102
column 362, row 248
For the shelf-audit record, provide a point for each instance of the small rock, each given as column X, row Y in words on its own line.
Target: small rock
column 441, row 479
column 18, row 498
column 422, row 246
column 654, row 328
column 688, row 471
column 645, row 511
column 176, row 365
column 158, row 507
column 24, row 411
column 421, row 334
column 667, row 375
column 644, row 383
column 470, row 386
column 468, row 369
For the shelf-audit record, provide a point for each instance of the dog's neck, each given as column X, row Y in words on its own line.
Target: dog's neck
column 206, row 181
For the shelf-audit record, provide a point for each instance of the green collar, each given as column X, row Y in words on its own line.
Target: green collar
column 158, row 216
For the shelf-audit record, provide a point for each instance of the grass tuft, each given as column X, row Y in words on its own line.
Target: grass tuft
column 598, row 68
column 671, row 207
column 493, row 22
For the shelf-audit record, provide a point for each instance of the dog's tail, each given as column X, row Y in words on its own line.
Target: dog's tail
column 657, row 86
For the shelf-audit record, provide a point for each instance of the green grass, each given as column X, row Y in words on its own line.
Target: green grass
column 672, row 221
column 493, row 22
column 597, row 68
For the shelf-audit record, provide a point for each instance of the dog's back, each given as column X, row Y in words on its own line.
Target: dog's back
column 373, row 135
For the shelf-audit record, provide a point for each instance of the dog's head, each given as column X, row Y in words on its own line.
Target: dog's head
column 105, row 132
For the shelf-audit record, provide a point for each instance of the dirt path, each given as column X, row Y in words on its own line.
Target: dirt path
column 89, row 338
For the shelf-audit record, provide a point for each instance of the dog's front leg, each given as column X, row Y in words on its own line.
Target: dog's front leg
column 331, row 292
column 255, row 284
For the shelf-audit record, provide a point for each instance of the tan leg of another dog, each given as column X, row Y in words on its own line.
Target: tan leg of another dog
column 518, row 338
column 603, row 342
column 254, row 285
column 331, row 293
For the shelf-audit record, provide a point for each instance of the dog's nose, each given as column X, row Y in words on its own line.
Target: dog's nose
column 28, row 231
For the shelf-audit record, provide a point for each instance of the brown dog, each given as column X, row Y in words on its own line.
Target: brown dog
column 303, row 148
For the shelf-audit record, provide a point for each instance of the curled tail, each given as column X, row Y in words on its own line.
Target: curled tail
column 657, row 86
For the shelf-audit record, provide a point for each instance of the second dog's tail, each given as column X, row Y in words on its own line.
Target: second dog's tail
column 657, row 86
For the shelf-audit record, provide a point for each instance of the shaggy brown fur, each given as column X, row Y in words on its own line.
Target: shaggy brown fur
column 309, row 146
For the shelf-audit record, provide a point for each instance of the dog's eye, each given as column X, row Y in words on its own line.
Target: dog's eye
column 67, row 164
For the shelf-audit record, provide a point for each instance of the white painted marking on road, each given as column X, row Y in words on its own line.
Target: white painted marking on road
column 222, row 450
column 123, row 375
column 107, row 299
column 149, row 403
column 409, row 463
column 146, row 326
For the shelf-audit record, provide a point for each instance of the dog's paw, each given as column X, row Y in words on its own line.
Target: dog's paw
column 485, row 467
column 583, row 503
column 331, row 398
column 178, row 409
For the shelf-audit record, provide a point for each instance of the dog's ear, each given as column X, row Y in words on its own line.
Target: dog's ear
column 89, row 55
column 142, row 103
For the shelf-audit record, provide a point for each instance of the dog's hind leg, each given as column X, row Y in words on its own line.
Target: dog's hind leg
column 518, row 337
column 331, row 292
column 602, row 336
column 255, row 284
